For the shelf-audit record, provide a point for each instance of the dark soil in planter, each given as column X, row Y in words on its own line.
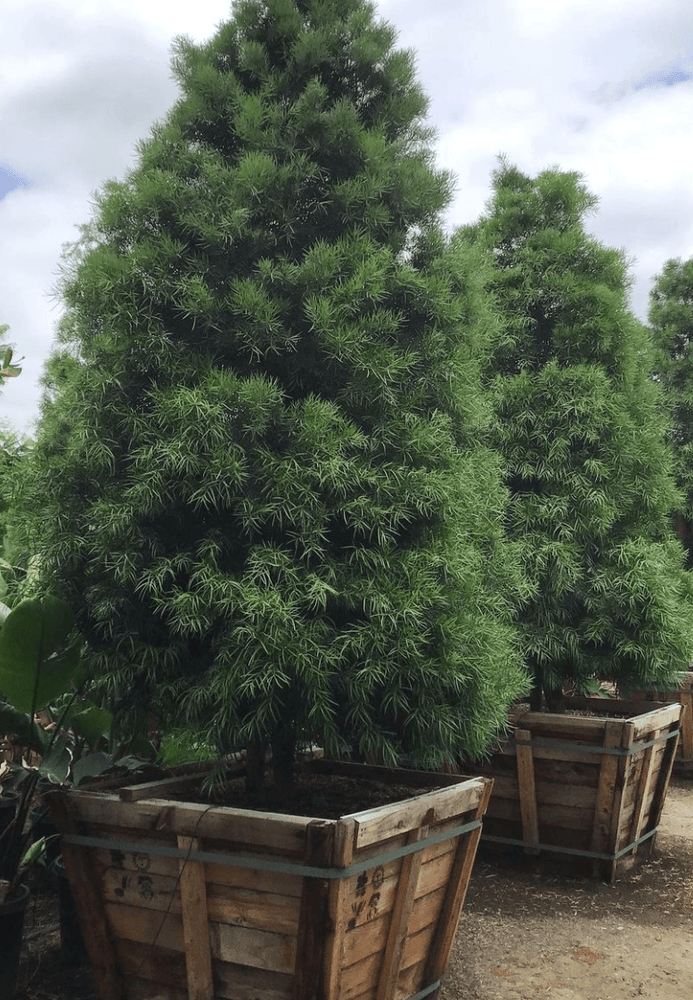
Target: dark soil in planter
column 324, row 796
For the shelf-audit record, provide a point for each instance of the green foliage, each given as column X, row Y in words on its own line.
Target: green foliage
column 8, row 367
column 259, row 470
column 39, row 656
column 671, row 320
column 580, row 426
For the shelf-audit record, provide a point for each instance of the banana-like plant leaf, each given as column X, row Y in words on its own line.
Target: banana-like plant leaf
column 56, row 765
column 37, row 659
column 91, row 766
column 92, row 723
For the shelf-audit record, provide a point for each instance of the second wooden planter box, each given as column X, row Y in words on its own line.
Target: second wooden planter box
column 182, row 901
column 683, row 694
column 587, row 784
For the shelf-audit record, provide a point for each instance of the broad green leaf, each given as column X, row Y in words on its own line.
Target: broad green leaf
column 92, row 723
column 56, row 765
column 37, row 661
column 91, row 766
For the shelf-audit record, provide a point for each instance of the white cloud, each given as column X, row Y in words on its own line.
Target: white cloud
column 578, row 83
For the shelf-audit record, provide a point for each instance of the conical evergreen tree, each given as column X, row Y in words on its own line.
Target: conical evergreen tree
column 671, row 321
column 579, row 423
column 258, row 470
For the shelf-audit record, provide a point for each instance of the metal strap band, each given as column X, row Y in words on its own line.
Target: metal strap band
column 262, row 864
column 545, row 741
column 425, row 991
column 571, row 850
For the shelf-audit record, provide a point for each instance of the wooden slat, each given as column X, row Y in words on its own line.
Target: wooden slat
column 89, row 905
column 385, row 775
column 167, row 968
column 642, row 797
column 261, row 831
column 666, row 715
column 527, row 791
column 401, row 912
column 163, row 787
column 221, row 875
column 604, row 805
column 375, row 825
column 313, row 918
column 686, row 699
column 198, row 957
column 662, row 784
column 446, row 928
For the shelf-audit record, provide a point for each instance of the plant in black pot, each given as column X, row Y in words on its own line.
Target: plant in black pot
column 259, row 467
column 39, row 660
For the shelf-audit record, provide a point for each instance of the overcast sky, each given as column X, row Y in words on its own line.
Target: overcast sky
column 600, row 86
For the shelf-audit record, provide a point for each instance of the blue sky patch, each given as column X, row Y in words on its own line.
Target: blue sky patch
column 10, row 181
column 666, row 78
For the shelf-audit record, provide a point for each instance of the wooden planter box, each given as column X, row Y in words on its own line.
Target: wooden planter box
column 181, row 901
column 684, row 695
column 584, row 786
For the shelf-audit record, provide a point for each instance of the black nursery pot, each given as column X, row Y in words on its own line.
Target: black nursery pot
column 11, row 936
column 8, row 808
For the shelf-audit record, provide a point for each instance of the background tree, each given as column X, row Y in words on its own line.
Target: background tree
column 258, row 471
column 579, row 423
column 671, row 321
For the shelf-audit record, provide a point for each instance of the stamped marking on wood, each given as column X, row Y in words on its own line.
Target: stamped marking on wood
column 366, row 902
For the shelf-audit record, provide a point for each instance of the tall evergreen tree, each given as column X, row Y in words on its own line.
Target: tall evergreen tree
column 258, row 468
column 579, row 423
column 671, row 321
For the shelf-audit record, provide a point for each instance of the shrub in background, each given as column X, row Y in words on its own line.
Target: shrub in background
column 580, row 424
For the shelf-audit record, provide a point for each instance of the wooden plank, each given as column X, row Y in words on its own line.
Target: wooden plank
column 89, row 905
column 446, row 927
column 360, row 979
column 163, row 787
column 232, row 905
column 313, row 918
column 259, row 831
column 149, row 927
column 662, row 784
column 158, row 965
column 218, row 877
column 604, row 805
column 142, row 989
column 239, row 945
column 686, row 744
column 401, row 912
column 258, row 949
column 198, row 957
column 337, row 912
column 375, row 825
column 642, row 798
column 386, row 775
column 527, row 791
column 665, row 715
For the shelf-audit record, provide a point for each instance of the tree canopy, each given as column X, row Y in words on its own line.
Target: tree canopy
column 671, row 321
column 580, row 424
column 258, row 470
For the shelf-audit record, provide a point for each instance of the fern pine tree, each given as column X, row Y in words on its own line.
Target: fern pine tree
column 671, row 322
column 258, row 467
column 579, row 424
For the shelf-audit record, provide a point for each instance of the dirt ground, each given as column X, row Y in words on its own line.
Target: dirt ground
column 531, row 930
